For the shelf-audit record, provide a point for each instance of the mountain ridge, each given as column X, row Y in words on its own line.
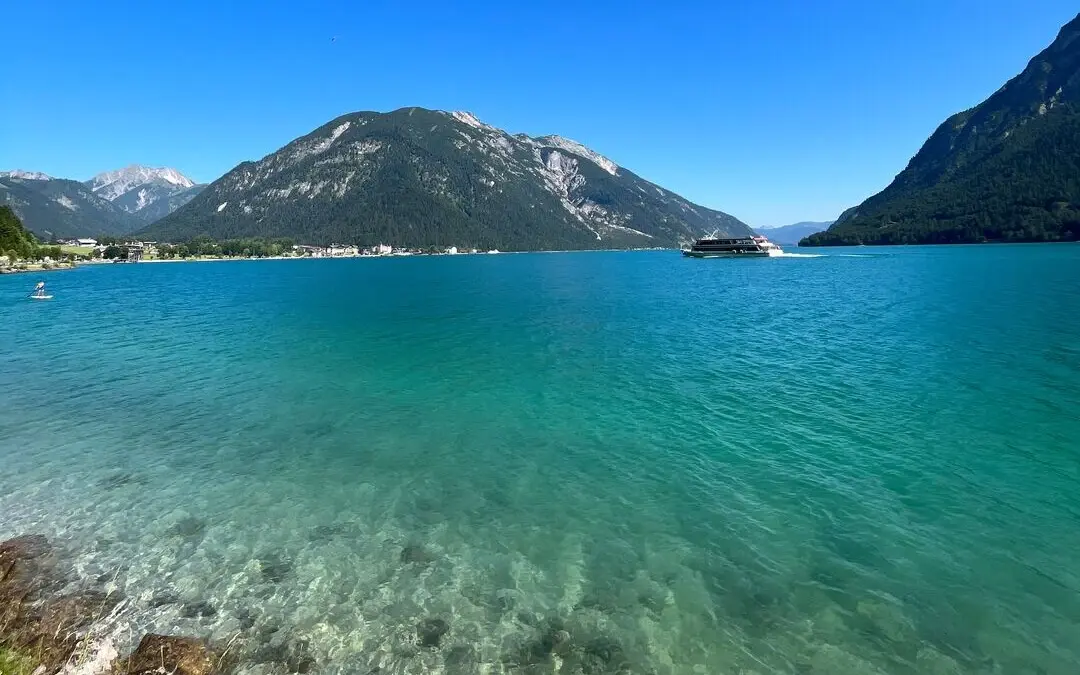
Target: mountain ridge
column 112, row 203
column 58, row 208
column 422, row 177
column 25, row 175
column 148, row 193
column 1007, row 169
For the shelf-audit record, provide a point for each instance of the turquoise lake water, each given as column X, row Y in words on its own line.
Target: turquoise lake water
column 862, row 462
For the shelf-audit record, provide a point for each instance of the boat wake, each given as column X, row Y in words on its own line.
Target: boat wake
column 799, row 255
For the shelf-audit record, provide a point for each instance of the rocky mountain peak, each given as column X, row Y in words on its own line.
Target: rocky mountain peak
column 112, row 184
column 25, row 175
column 579, row 149
column 422, row 177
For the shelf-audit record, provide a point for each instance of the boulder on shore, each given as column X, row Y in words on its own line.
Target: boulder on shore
column 28, row 565
column 169, row 654
column 42, row 625
column 33, row 620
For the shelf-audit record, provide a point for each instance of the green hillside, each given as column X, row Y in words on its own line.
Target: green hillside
column 1005, row 170
column 15, row 240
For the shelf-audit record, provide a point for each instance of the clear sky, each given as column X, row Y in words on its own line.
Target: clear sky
column 775, row 110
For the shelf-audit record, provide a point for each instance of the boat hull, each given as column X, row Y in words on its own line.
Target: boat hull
column 728, row 254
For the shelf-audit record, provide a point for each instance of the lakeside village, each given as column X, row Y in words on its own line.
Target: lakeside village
column 69, row 252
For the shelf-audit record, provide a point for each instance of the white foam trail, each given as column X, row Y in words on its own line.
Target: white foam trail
column 800, row 255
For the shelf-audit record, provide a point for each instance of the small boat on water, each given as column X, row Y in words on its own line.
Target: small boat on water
column 742, row 247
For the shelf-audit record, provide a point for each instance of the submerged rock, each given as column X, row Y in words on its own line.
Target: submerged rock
column 429, row 632
column 164, row 597
column 28, row 565
column 200, row 609
column 245, row 618
column 274, row 567
column 324, row 533
column 157, row 654
column 188, row 527
column 604, row 655
column 416, row 554
column 929, row 661
column 462, row 660
column 886, row 619
column 119, row 480
column 554, row 639
column 295, row 655
column 831, row 660
column 76, row 610
column 599, row 656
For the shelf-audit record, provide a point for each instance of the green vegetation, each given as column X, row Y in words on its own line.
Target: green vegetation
column 114, row 252
column 15, row 241
column 13, row 662
column 63, row 209
column 249, row 247
column 1025, row 190
column 1006, row 170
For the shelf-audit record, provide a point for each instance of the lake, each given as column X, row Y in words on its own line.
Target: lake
column 859, row 461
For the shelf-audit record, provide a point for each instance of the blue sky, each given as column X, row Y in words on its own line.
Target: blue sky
column 775, row 111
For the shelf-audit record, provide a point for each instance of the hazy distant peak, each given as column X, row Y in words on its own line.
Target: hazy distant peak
column 25, row 175
column 112, row 184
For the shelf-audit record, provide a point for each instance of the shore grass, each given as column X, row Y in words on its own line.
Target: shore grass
column 15, row 662
column 76, row 250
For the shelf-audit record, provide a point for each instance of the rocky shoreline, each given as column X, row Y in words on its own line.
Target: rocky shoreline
column 46, row 630
column 55, row 621
column 36, row 267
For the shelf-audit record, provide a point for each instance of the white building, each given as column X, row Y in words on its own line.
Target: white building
column 382, row 249
column 86, row 242
column 452, row 250
column 342, row 250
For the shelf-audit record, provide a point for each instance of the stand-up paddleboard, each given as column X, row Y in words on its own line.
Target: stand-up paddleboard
column 39, row 292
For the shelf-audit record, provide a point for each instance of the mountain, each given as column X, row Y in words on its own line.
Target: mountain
column 1006, row 170
column 54, row 208
column 25, row 175
column 145, row 192
column 789, row 235
column 417, row 177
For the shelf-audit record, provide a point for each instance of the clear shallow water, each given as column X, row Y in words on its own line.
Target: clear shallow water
column 857, row 463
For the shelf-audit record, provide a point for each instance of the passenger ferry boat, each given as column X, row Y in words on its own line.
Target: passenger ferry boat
column 743, row 247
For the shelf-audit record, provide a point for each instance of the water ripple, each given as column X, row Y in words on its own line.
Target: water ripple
column 579, row 464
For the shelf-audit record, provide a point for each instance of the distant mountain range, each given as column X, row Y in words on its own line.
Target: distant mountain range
column 146, row 193
column 417, row 177
column 790, row 235
column 55, row 208
column 114, row 202
column 1006, row 170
